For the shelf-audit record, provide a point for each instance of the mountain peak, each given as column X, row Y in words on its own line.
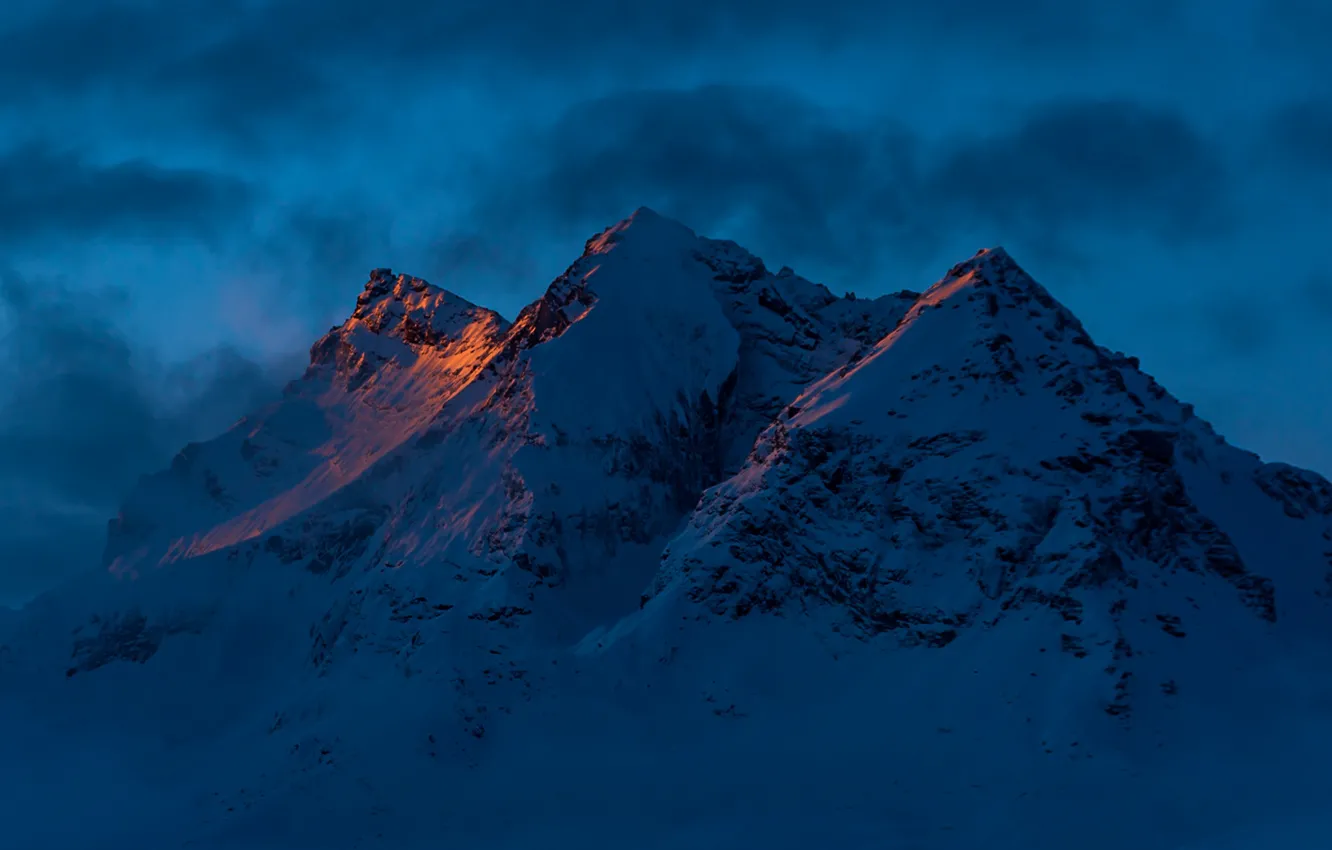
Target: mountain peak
column 993, row 265
column 407, row 310
column 992, row 277
column 644, row 231
column 645, row 213
column 385, row 286
column 389, row 300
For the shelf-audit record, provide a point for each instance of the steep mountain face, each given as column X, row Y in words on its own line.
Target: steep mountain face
column 374, row 383
column 987, row 462
column 691, row 526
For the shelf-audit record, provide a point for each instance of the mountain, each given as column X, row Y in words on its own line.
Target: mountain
column 692, row 554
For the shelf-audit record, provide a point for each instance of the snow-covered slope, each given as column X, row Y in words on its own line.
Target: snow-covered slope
column 986, row 461
column 692, row 554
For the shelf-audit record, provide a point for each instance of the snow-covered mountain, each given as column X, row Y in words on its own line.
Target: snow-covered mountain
column 693, row 554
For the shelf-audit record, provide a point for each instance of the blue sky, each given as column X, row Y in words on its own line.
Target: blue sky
column 191, row 191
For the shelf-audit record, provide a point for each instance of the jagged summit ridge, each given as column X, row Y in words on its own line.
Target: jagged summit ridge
column 646, row 230
column 413, row 310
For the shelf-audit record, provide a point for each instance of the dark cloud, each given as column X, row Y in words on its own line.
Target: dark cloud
column 483, row 266
column 1295, row 25
column 67, row 48
column 83, row 414
column 1248, row 324
column 1235, row 327
column 1110, row 164
column 319, row 252
column 533, row 31
column 712, row 155
column 47, row 192
column 234, row 62
column 1301, row 134
column 240, row 85
column 1317, row 295
column 842, row 195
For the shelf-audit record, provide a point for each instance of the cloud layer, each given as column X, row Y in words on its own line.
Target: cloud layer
column 49, row 194
column 847, row 195
column 83, row 414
